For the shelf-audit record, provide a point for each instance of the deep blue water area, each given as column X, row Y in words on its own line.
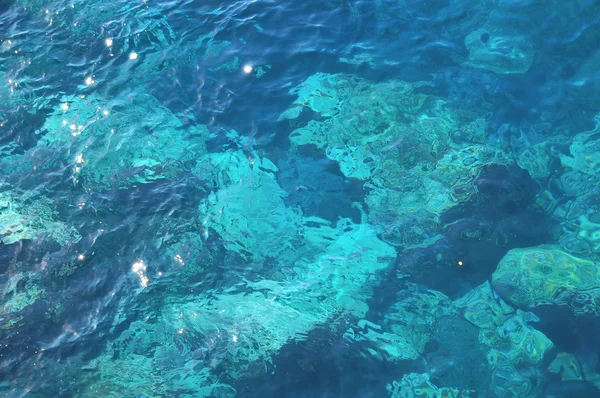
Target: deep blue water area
column 299, row 199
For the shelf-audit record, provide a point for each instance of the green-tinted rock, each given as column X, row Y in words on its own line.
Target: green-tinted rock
column 545, row 275
column 415, row 385
column 516, row 348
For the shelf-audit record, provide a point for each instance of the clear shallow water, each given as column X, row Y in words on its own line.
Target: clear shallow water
column 312, row 199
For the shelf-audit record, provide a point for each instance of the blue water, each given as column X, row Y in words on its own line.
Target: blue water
column 299, row 199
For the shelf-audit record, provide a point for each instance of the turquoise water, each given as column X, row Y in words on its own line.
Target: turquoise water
column 309, row 199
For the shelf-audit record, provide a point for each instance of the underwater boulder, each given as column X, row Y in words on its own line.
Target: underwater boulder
column 545, row 275
column 499, row 51
column 419, row 385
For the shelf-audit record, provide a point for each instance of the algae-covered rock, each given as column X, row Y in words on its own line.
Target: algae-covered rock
column 545, row 275
column 515, row 382
column 416, row 314
column 398, row 140
column 503, row 328
column 415, row 385
column 29, row 215
column 408, row 205
column 574, row 182
column 568, row 367
column 360, row 124
column 515, row 348
column 403, row 218
column 480, row 307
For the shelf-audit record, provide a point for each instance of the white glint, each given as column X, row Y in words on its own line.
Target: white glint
column 140, row 269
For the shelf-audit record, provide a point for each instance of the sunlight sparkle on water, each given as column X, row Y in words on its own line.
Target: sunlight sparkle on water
column 140, row 268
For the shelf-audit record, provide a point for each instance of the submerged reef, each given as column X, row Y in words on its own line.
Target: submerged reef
column 397, row 140
column 431, row 222
column 419, row 385
column 29, row 215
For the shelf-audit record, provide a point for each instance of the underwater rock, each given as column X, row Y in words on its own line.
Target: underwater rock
column 412, row 171
column 415, row 385
column 410, row 212
column 319, row 93
column 585, row 151
column 248, row 212
column 383, row 345
column 516, row 348
column 360, row 124
column 577, row 213
column 573, row 182
column 147, row 376
column 246, row 209
column 319, row 188
column 20, row 291
column 566, row 366
column 29, row 215
column 502, row 328
column 498, row 51
column 536, row 160
column 545, row 275
column 113, row 144
column 407, row 327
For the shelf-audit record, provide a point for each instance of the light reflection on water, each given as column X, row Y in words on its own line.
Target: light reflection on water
column 163, row 231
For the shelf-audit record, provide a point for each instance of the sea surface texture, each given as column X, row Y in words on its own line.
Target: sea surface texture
column 334, row 198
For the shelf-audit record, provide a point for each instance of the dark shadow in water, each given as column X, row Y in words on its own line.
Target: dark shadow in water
column 317, row 185
column 14, row 130
column 577, row 335
column 324, row 366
